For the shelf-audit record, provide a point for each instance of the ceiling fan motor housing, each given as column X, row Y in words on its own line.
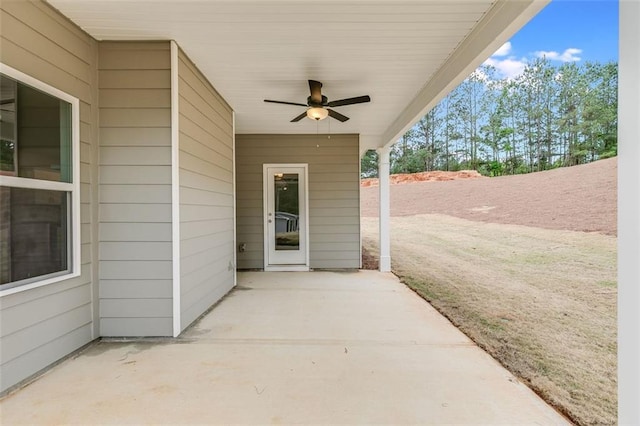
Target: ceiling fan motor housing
column 324, row 102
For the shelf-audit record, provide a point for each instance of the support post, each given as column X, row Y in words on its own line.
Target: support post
column 628, row 215
column 384, row 209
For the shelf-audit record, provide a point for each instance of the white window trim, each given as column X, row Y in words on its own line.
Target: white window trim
column 73, row 188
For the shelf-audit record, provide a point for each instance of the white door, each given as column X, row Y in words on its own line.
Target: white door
column 285, row 217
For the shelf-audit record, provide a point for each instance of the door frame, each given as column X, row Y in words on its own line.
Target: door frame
column 304, row 201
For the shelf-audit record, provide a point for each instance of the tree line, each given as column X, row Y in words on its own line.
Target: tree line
column 546, row 117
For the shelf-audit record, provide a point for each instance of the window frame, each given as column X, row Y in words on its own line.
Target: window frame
column 72, row 188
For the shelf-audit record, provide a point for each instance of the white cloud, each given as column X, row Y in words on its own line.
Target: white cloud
column 504, row 50
column 508, row 68
column 569, row 55
column 506, row 65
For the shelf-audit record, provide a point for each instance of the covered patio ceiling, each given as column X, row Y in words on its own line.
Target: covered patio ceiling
column 406, row 55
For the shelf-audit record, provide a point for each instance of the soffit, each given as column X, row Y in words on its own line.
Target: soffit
column 255, row 50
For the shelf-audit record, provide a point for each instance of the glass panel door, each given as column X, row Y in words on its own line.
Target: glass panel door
column 287, row 211
column 285, row 215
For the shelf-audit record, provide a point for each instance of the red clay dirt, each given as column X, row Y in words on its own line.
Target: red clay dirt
column 578, row 198
column 435, row 176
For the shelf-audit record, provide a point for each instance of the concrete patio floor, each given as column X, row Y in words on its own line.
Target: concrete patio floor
column 282, row 348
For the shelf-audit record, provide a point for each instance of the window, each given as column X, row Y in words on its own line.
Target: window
column 39, row 183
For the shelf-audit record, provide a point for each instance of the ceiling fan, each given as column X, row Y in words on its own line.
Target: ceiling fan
column 317, row 104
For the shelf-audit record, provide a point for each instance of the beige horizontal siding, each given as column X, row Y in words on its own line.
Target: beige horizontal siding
column 147, row 213
column 135, row 326
column 41, row 325
column 334, row 194
column 135, row 175
column 132, row 308
column 334, row 203
column 159, row 136
column 68, row 321
column 117, row 56
column 135, row 117
column 135, row 156
column 204, row 243
column 135, row 191
column 189, row 130
column 194, row 196
column 189, row 230
column 135, row 79
column 49, row 351
column 135, row 98
column 206, row 193
column 136, row 289
column 333, row 237
column 135, row 270
column 135, row 194
column 135, row 250
column 131, row 232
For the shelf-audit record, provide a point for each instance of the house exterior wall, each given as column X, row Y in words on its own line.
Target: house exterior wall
column 126, row 286
column 40, row 325
column 334, row 195
column 206, row 193
column 135, row 189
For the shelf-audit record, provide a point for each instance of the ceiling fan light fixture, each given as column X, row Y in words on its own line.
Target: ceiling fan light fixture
column 317, row 113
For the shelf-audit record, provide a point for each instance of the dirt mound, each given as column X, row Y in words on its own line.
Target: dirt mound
column 578, row 198
column 435, row 176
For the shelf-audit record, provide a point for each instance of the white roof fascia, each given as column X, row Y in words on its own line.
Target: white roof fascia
column 501, row 22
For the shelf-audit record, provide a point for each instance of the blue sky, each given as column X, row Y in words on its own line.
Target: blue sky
column 565, row 30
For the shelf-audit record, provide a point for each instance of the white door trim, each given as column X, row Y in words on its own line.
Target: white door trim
column 265, row 208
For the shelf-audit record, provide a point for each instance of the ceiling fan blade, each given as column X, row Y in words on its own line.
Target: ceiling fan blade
column 349, row 101
column 316, row 92
column 300, row 117
column 337, row 115
column 286, row 103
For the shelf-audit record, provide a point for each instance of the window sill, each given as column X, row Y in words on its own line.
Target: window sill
column 36, row 284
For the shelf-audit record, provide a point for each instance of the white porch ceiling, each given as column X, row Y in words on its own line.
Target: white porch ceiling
column 405, row 54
